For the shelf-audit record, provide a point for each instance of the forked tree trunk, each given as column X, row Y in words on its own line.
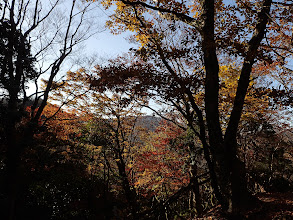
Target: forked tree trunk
column 231, row 171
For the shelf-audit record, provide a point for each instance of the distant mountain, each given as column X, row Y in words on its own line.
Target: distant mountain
column 148, row 122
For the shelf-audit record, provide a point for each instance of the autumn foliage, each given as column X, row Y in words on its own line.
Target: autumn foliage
column 195, row 119
column 161, row 167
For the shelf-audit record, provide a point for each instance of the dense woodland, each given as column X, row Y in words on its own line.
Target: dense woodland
column 215, row 77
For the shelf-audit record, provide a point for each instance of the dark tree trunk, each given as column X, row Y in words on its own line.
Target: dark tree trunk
column 215, row 135
column 240, row 194
column 18, row 137
column 13, row 175
column 13, row 152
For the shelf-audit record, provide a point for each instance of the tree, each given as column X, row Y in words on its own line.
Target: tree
column 58, row 182
column 161, row 169
column 27, row 49
column 213, row 29
column 115, row 115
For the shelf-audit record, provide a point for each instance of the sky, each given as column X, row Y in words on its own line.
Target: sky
column 108, row 45
column 105, row 44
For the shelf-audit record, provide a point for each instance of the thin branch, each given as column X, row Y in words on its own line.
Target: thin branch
column 181, row 16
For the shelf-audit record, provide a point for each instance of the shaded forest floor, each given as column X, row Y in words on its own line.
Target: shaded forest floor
column 277, row 206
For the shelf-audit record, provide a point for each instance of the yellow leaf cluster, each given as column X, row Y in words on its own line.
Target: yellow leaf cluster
column 254, row 105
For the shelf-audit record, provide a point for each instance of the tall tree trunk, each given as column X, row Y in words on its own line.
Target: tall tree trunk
column 240, row 193
column 13, row 152
column 18, row 138
column 215, row 135
column 13, row 174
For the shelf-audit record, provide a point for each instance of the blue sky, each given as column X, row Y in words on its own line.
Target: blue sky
column 108, row 44
column 105, row 44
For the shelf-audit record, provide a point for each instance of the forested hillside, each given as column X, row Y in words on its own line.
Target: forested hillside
column 193, row 122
